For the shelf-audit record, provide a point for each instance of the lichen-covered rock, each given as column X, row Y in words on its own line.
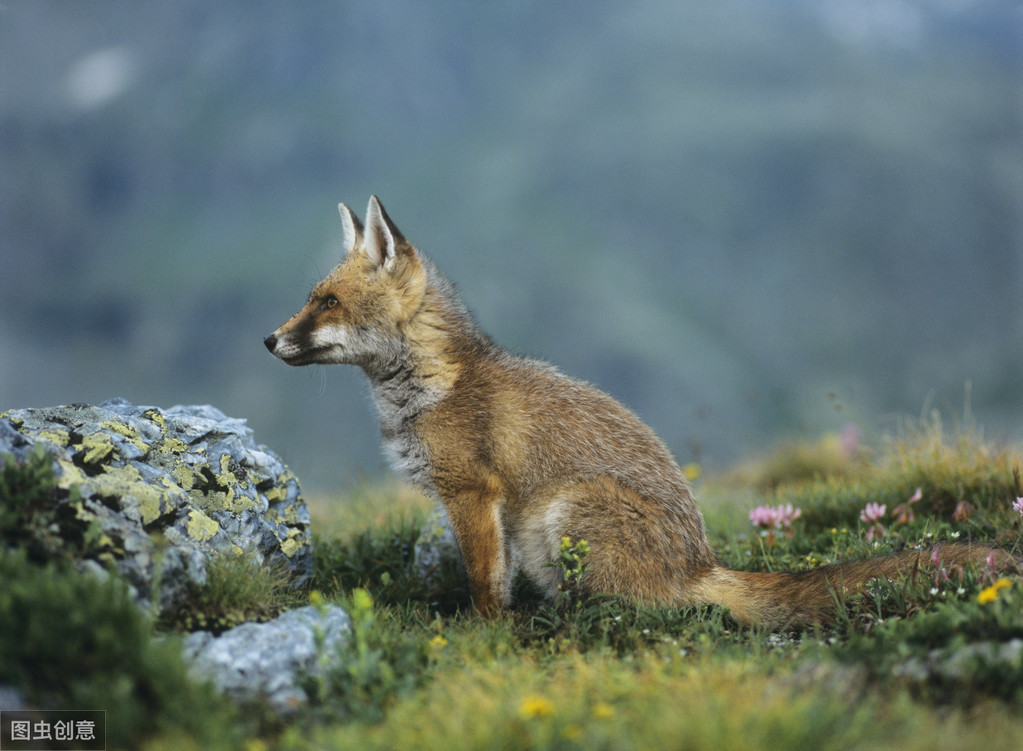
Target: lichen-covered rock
column 962, row 662
column 436, row 559
column 267, row 661
column 157, row 492
column 435, row 546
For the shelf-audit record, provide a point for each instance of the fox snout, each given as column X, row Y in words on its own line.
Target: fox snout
column 284, row 347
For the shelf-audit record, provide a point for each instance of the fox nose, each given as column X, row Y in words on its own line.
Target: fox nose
column 271, row 342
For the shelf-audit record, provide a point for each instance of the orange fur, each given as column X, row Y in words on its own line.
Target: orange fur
column 522, row 456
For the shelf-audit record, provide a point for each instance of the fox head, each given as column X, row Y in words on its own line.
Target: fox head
column 357, row 313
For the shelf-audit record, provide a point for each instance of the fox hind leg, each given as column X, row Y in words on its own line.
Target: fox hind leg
column 637, row 548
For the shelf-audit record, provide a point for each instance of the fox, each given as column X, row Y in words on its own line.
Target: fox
column 522, row 456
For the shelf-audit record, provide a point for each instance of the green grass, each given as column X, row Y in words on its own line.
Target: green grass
column 237, row 590
column 71, row 641
column 931, row 661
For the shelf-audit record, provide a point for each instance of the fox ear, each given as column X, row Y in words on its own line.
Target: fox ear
column 352, row 228
column 383, row 243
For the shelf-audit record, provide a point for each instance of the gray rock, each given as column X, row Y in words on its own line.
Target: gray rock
column 268, row 661
column 436, row 551
column 153, row 491
column 961, row 662
column 11, row 699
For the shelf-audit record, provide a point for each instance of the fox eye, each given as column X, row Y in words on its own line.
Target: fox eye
column 330, row 302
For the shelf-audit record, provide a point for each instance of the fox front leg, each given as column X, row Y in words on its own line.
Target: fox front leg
column 476, row 520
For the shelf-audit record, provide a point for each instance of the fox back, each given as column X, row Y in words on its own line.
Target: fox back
column 520, row 455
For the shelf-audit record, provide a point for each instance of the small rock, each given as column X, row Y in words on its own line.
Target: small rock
column 960, row 663
column 436, row 550
column 267, row 661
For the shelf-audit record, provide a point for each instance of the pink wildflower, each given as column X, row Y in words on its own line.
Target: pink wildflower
column 940, row 574
column 764, row 516
column 872, row 514
column 776, row 517
column 1018, row 505
column 903, row 513
column 787, row 514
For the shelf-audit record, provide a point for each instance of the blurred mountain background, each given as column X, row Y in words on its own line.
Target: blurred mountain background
column 748, row 220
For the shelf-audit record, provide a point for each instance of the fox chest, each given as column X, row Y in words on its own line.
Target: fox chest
column 409, row 456
column 400, row 409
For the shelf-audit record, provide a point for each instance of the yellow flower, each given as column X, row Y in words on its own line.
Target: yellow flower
column 572, row 732
column 692, row 471
column 603, row 710
column 361, row 599
column 535, row 706
column 438, row 642
column 990, row 594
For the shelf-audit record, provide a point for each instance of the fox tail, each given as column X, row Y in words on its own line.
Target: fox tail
column 781, row 599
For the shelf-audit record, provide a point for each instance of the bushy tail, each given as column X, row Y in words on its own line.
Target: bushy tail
column 780, row 599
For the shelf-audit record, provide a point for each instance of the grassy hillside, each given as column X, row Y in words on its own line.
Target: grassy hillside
column 931, row 661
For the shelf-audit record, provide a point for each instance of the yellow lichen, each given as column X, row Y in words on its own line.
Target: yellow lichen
column 96, row 447
column 226, row 478
column 217, row 500
column 172, row 445
column 155, row 415
column 201, row 527
column 292, row 544
column 127, row 431
column 275, row 494
column 127, row 483
column 184, row 476
column 70, row 475
column 56, row 436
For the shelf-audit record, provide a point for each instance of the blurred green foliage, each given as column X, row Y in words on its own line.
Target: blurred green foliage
column 746, row 220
